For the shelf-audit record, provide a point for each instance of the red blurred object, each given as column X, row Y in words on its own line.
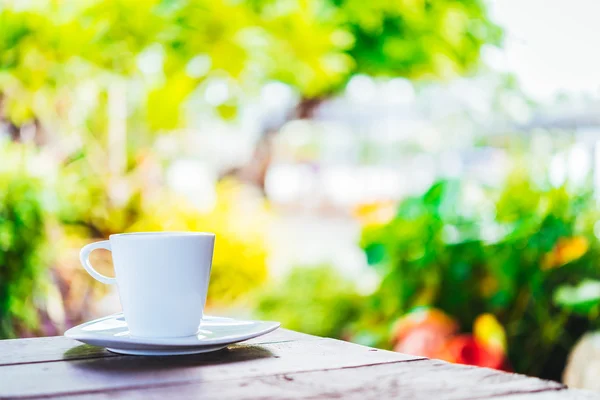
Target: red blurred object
column 464, row 349
column 423, row 341
column 430, row 319
column 432, row 333
column 423, row 332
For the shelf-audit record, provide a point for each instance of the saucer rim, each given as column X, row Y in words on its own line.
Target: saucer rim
column 166, row 351
column 76, row 333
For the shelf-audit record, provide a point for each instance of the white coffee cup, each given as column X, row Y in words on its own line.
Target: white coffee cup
column 162, row 279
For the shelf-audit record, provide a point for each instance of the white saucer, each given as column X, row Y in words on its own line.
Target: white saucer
column 215, row 333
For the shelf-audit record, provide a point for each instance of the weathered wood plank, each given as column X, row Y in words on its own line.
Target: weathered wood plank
column 286, row 365
column 22, row 351
column 59, row 348
column 566, row 394
column 422, row 379
column 239, row 361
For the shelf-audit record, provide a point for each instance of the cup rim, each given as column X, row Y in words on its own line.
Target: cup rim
column 155, row 234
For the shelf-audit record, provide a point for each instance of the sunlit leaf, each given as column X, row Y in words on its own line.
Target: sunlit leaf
column 582, row 298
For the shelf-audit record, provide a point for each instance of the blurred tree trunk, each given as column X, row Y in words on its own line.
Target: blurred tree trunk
column 255, row 171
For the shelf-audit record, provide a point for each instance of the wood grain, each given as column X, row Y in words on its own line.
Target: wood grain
column 23, row 351
column 423, row 379
column 239, row 361
column 281, row 365
column 570, row 394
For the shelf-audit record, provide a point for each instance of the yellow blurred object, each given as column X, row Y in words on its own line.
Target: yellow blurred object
column 489, row 332
column 239, row 219
column 375, row 213
column 565, row 251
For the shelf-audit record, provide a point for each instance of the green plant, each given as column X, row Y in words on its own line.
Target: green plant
column 316, row 300
column 22, row 264
column 168, row 51
column 469, row 251
column 582, row 299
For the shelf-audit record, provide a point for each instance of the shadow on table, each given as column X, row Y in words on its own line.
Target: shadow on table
column 137, row 364
column 86, row 351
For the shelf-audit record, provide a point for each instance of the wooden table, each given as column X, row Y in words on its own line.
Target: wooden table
column 283, row 364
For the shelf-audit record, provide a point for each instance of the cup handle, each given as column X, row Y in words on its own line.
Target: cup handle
column 84, row 257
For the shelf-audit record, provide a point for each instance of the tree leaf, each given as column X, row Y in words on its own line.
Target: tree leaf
column 581, row 299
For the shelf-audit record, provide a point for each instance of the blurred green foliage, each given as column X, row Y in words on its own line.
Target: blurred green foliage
column 54, row 53
column 316, row 300
column 583, row 298
column 23, row 268
column 468, row 251
column 416, row 39
column 98, row 80
column 526, row 253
